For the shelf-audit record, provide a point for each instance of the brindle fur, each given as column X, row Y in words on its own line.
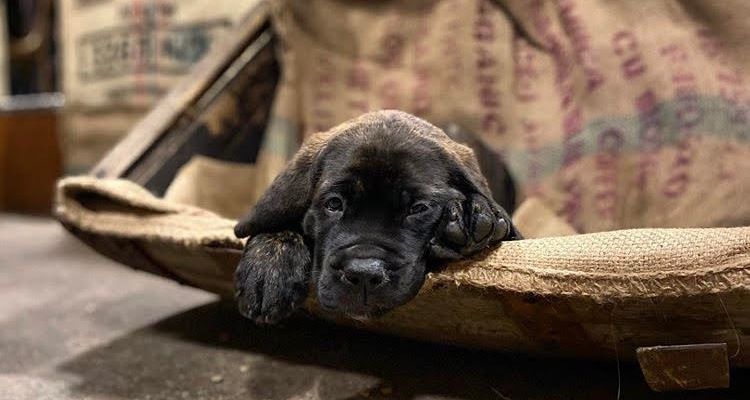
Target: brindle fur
column 410, row 197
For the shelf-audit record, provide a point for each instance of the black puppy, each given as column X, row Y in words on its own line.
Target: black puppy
column 360, row 212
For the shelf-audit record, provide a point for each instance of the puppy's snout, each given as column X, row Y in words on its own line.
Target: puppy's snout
column 367, row 273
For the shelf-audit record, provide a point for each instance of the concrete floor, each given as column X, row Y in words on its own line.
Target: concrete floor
column 74, row 325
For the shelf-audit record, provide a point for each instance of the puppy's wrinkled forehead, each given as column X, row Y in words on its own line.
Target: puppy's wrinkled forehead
column 380, row 157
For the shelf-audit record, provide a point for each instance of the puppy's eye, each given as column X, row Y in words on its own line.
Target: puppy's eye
column 418, row 208
column 334, row 204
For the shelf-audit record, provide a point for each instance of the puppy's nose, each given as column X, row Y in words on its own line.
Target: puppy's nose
column 364, row 272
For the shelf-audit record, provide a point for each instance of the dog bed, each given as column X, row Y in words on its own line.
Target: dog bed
column 589, row 295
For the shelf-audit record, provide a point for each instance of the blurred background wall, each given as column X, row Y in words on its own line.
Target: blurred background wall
column 76, row 75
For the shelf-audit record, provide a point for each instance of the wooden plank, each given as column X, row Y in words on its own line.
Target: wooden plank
column 30, row 160
column 226, row 123
column 149, row 130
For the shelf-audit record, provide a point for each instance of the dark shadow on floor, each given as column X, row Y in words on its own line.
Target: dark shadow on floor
column 211, row 352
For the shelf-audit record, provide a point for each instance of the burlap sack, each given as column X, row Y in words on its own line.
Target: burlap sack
column 593, row 295
column 120, row 56
column 615, row 114
column 4, row 54
column 196, row 185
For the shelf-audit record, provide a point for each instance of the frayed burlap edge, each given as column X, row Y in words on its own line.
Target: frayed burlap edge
column 139, row 215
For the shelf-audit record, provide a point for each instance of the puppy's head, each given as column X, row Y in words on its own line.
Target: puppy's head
column 368, row 196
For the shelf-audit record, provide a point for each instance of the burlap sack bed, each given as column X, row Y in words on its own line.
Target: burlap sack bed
column 583, row 295
column 614, row 114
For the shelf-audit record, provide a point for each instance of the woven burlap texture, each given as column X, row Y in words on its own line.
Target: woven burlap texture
column 120, row 208
column 606, row 266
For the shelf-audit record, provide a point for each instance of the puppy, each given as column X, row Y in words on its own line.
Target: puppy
column 359, row 214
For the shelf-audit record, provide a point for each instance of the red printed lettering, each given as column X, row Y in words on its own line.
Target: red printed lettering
column 626, row 46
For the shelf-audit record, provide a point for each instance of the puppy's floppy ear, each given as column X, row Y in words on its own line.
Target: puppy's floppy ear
column 272, row 277
column 284, row 203
column 466, row 176
column 491, row 164
column 464, row 170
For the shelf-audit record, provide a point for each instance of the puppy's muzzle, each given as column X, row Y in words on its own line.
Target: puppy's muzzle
column 362, row 271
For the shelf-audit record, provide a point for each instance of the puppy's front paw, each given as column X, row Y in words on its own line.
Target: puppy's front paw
column 469, row 226
column 272, row 277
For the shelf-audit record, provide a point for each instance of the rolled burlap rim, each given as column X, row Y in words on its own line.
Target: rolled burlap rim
column 605, row 265
column 599, row 295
